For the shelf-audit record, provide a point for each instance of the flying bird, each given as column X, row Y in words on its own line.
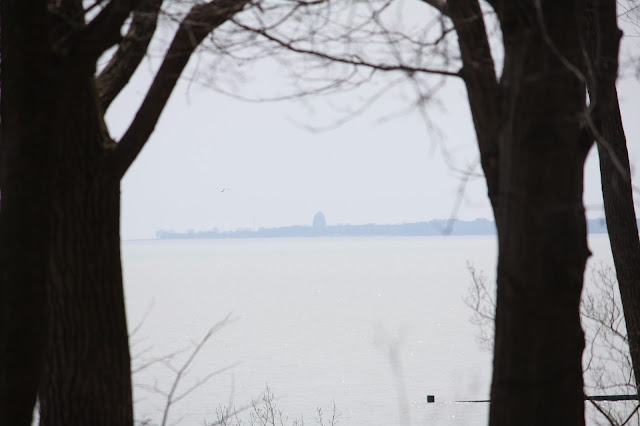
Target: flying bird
column 223, row 189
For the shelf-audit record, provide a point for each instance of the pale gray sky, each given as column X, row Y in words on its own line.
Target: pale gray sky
column 366, row 171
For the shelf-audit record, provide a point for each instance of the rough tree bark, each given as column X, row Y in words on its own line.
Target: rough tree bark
column 621, row 223
column 532, row 151
column 87, row 378
column 25, row 176
column 537, row 371
column 602, row 41
column 88, row 375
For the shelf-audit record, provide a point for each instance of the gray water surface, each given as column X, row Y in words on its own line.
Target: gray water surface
column 373, row 325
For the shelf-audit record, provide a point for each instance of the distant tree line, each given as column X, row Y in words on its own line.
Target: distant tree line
column 430, row 228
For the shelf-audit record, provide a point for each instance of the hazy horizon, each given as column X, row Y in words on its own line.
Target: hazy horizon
column 388, row 164
column 435, row 227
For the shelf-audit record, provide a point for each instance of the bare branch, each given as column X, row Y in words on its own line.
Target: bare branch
column 163, row 359
column 478, row 72
column 603, row 412
column 630, row 416
column 202, row 381
column 172, row 396
column 607, row 363
column 115, row 76
column 353, row 60
column 481, row 299
column 201, row 20
column 103, row 31
column 140, row 323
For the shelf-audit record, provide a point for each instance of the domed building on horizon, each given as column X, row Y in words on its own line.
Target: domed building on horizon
column 319, row 221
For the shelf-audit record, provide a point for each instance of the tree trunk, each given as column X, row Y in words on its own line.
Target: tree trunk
column 603, row 37
column 25, row 182
column 88, row 375
column 537, row 371
column 621, row 222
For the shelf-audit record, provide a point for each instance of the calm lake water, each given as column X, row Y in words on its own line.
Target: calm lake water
column 373, row 325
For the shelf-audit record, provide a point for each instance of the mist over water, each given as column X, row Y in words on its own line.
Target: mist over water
column 373, row 324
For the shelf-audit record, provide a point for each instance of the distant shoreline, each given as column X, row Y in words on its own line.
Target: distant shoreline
column 441, row 227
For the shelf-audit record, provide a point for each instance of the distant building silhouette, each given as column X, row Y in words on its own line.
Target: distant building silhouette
column 319, row 221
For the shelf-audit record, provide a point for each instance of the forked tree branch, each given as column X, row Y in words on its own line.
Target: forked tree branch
column 124, row 62
column 103, row 31
column 172, row 395
column 201, row 20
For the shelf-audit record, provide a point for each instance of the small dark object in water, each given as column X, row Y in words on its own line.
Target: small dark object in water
column 431, row 398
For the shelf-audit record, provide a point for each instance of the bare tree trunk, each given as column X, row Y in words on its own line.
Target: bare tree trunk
column 603, row 36
column 537, row 371
column 621, row 223
column 25, row 150
column 88, row 374
column 533, row 152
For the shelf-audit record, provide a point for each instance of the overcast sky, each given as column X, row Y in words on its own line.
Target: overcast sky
column 373, row 169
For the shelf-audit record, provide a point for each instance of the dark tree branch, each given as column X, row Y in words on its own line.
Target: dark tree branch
column 115, row 76
column 478, row 72
column 201, row 20
column 103, row 31
column 352, row 60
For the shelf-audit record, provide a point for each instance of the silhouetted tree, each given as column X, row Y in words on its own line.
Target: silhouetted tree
column 534, row 129
column 607, row 365
column 64, row 330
